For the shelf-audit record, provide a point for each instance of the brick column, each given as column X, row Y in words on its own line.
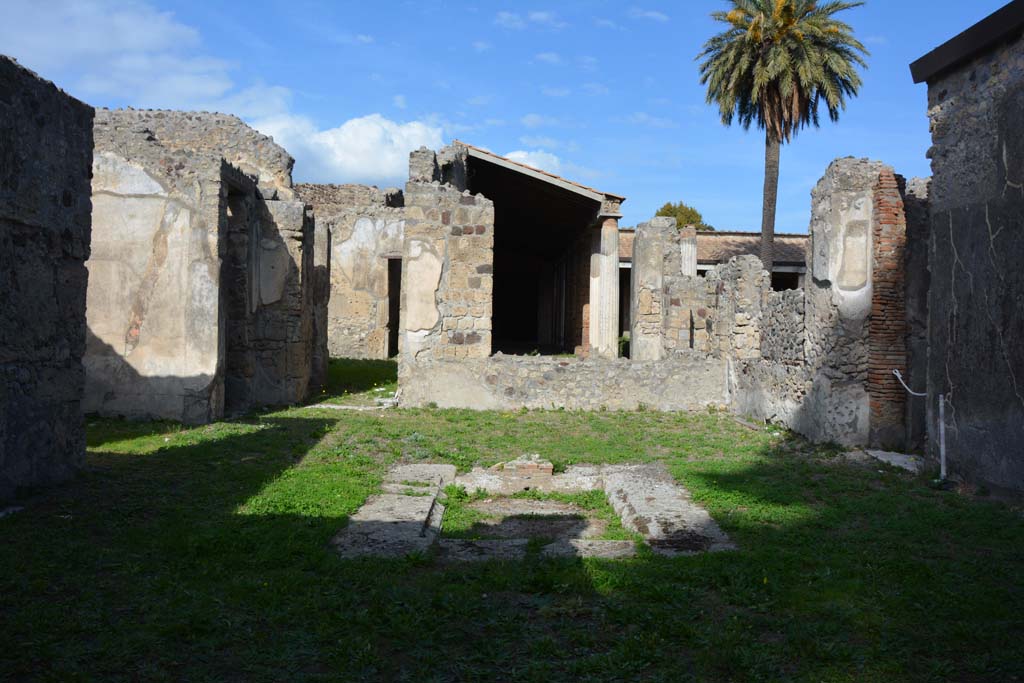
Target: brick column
column 888, row 326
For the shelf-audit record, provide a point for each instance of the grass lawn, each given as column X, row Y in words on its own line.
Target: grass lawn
column 201, row 555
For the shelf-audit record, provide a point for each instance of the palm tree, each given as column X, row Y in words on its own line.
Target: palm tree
column 775, row 64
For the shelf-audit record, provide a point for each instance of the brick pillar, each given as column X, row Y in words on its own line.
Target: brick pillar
column 887, row 341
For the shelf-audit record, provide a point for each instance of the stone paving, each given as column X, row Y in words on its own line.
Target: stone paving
column 406, row 518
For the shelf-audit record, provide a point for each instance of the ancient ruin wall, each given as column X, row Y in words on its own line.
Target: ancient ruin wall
column 447, row 274
column 221, row 135
column 918, row 281
column 976, row 299
column 202, row 295
column 887, row 330
column 154, row 309
column 543, row 382
column 366, row 228
column 827, row 354
column 45, row 159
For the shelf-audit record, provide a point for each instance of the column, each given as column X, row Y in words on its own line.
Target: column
column 604, row 289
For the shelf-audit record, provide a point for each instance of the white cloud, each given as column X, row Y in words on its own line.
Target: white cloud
column 539, row 141
column 399, row 101
column 538, row 18
column 601, row 22
column 549, row 19
column 128, row 51
column 114, row 48
column 509, row 20
column 556, row 92
column 641, row 118
column 587, row 63
column 538, row 121
column 653, row 15
column 548, row 57
column 369, row 149
column 596, row 89
column 479, row 100
column 545, row 161
column 481, row 45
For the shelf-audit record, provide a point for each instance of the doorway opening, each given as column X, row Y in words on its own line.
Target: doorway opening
column 394, row 304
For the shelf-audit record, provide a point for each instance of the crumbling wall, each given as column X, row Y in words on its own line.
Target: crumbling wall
column 221, row 135
column 45, row 158
column 366, row 228
column 976, row 298
column 203, row 290
column 154, row 311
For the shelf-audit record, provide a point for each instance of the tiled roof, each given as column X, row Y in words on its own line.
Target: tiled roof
column 540, row 171
column 719, row 247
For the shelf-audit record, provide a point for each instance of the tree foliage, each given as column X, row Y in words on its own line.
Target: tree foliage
column 779, row 61
column 684, row 215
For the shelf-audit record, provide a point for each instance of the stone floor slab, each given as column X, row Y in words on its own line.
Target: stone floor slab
column 910, row 463
column 651, row 503
column 583, row 547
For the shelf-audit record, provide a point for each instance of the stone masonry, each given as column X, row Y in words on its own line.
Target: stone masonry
column 45, row 159
column 203, row 297
column 976, row 246
column 366, row 228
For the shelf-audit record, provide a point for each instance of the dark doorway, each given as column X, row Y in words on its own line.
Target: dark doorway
column 542, row 250
column 783, row 281
column 394, row 303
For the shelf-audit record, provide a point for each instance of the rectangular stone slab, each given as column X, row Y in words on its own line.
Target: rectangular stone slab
column 651, row 503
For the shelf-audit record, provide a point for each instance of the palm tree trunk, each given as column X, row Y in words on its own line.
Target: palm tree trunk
column 771, row 195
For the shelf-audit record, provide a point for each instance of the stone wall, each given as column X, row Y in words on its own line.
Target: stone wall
column 684, row 382
column 202, row 297
column 154, row 308
column 45, row 158
column 447, row 274
column 976, row 298
column 366, row 228
column 918, row 281
column 221, row 135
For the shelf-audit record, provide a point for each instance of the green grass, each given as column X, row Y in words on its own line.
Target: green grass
column 359, row 382
column 202, row 555
column 461, row 520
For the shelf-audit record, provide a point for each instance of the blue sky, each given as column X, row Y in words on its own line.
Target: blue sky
column 605, row 93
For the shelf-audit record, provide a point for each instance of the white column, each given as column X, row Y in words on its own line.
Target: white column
column 604, row 290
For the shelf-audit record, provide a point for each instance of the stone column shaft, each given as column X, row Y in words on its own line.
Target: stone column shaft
column 604, row 290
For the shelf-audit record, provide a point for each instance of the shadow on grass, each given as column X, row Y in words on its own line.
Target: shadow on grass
column 205, row 557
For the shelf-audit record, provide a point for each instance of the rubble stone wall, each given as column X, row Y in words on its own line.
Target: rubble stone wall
column 812, row 359
column 683, row 382
column 976, row 296
column 367, row 227
column 221, row 135
column 45, row 160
